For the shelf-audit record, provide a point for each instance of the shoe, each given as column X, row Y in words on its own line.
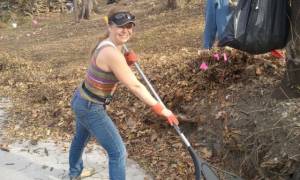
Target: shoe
column 289, row 87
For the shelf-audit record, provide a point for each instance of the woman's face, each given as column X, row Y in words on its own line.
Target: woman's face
column 121, row 34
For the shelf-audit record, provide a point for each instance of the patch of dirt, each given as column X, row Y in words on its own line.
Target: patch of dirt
column 226, row 111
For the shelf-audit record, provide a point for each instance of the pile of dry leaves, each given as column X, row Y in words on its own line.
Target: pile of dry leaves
column 205, row 101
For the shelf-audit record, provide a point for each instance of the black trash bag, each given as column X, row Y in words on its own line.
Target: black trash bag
column 257, row 26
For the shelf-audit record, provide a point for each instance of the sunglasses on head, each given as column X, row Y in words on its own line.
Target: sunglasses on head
column 122, row 18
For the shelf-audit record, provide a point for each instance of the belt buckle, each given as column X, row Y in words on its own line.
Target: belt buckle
column 107, row 101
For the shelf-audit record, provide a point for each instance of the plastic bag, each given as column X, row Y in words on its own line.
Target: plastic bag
column 257, row 26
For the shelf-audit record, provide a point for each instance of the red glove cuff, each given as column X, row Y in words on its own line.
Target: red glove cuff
column 130, row 57
column 157, row 108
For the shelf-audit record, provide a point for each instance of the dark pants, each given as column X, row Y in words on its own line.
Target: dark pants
column 293, row 47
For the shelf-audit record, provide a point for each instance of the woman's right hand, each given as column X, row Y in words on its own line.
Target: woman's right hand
column 161, row 110
column 171, row 118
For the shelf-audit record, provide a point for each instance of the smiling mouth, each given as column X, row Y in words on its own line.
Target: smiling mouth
column 124, row 36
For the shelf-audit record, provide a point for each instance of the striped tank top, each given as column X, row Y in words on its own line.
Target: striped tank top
column 100, row 83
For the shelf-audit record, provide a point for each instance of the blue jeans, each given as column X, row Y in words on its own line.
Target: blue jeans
column 92, row 120
column 217, row 14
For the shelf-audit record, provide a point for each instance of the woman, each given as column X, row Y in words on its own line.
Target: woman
column 108, row 66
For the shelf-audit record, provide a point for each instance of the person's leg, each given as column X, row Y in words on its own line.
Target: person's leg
column 293, row 47
column 223, row 13
column 210, row 24
column 75, row 156
column 106, row 133
column 290, row 84
column 293, row 50
column 79, row 141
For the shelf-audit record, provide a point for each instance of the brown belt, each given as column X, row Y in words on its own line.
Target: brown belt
column 105, row 101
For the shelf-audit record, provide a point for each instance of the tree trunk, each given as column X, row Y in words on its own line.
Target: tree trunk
column 87, row 6
column 75, row 4
column 172, row 4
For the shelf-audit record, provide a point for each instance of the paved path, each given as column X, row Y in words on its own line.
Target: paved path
column 49, row 161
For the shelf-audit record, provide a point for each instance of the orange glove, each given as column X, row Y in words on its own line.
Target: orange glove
column 130, row 57
column 160, row 110
column 172, row 119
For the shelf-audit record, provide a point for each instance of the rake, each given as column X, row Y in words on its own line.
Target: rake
column 202, row 168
